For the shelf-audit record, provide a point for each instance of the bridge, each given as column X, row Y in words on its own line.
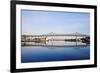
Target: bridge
column 47, row 40
column 55, row 34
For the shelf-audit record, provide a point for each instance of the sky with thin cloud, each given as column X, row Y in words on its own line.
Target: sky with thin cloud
column 44, row 22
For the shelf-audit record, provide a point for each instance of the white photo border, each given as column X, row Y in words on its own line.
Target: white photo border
column 57, row 63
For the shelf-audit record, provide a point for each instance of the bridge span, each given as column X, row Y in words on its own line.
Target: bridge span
column 53, row 34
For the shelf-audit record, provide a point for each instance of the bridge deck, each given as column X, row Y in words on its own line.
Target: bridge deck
column 53, row 34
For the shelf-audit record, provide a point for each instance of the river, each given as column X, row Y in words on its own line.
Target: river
column 72, row 51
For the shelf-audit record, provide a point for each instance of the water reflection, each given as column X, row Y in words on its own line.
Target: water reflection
column 54, row 50
column 45, row 54
column 56, row 44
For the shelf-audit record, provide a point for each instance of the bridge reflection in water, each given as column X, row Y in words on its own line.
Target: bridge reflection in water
column 56, row 40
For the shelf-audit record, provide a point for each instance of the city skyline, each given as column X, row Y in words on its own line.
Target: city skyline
column 44, row 22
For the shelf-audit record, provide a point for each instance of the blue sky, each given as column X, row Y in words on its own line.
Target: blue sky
column 44, row 22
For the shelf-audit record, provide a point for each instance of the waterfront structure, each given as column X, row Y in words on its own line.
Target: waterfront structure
column 42, row 40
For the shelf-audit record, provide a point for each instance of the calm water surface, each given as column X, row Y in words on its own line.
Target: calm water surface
column 44, row 54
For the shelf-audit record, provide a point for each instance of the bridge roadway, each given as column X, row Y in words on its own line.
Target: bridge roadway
column 78, row 35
